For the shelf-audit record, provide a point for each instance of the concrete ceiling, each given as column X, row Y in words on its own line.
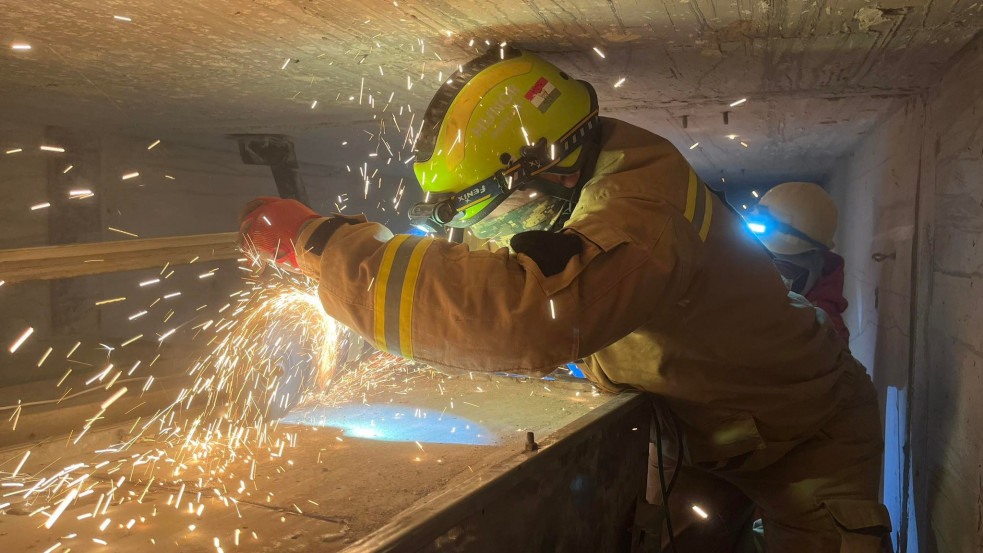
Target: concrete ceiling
column 816, row 73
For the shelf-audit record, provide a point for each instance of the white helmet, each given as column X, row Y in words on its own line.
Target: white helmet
column 796, row 217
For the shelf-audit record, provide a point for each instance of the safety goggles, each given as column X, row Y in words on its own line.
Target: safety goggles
column 762, row 221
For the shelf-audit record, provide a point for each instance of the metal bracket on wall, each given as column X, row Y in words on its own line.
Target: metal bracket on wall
column 276, row 151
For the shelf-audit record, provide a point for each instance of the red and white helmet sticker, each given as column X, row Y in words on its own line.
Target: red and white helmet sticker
column 542, row 94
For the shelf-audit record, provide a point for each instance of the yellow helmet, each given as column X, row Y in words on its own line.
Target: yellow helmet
column 504, row 118
column 795, row 217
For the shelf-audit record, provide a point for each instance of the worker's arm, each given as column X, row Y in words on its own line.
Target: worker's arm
column 441, row 303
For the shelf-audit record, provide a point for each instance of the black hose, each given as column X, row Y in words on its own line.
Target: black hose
column 662, row 482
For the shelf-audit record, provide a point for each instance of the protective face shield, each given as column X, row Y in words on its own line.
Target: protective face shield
column 800, row 271
column 522, row 211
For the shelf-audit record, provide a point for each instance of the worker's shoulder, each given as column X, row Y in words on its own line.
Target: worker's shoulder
column 625, row 147
column 621, row 135
column 638, row 164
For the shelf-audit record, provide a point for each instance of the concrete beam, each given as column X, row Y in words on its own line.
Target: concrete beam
column 74, row 260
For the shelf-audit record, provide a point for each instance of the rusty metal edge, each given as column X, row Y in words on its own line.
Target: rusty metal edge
column 421, row 524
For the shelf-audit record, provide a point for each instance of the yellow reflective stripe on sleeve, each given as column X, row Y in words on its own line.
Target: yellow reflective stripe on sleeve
column 699, row 205
column 691, row 193
column 381, row 283
column 406, row 298
column 705, row 228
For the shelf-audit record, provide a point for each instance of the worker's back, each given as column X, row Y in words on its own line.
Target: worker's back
column 741, row 362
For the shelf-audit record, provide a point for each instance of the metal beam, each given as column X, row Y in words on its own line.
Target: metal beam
column 75, row 260
column 577, row 492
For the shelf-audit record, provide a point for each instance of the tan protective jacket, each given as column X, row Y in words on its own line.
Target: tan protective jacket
column 671, row 294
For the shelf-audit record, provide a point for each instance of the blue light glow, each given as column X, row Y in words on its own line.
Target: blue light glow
column 575, row 371
column 757, row 228
column 395, row 423
column 418, row 231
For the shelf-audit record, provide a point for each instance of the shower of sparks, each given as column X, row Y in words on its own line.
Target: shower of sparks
column 21, row 339
column 43, row 205
column 754, row 193
column 14, row 150
column 67, row 169
column 58, row 149
column 703, row 514
column 695, row 144
column 131, row 175
column 599, row 52
column 72, row 494
column 20, row 46
column 20, row 465
column 620, row 82
column 552, row 309
column 737, row 103
column 744, row 144
column 121, row 18
column 266, row 348
column 123, row 232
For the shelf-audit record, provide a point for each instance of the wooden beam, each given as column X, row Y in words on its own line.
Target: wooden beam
column 74, row 260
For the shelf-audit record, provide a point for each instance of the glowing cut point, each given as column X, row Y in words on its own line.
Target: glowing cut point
column 390, row 423
column 757, row 228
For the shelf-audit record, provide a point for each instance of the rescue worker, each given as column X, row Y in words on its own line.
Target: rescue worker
column 620, row 255
column 796, row 221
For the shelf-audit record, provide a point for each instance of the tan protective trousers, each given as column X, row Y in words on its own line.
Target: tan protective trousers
column 821, row 497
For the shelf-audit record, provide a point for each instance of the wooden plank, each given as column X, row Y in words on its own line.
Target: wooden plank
column 72, row 260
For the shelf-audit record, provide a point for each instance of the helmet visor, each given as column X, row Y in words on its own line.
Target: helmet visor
column 522, row 211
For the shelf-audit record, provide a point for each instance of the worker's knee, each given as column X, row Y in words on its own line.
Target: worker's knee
column 836, row 526
column 864, row 526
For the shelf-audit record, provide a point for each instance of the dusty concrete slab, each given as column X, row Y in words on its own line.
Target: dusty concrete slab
column 328, row 490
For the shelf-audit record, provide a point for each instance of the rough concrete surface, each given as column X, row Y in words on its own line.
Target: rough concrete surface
column 816, row 73
column 333, row 487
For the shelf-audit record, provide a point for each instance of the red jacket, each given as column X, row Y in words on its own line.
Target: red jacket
column 827, row 294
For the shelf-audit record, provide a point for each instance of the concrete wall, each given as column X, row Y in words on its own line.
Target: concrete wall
column 911, row 212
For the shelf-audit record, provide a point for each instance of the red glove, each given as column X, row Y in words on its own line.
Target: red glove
column 270, row 225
